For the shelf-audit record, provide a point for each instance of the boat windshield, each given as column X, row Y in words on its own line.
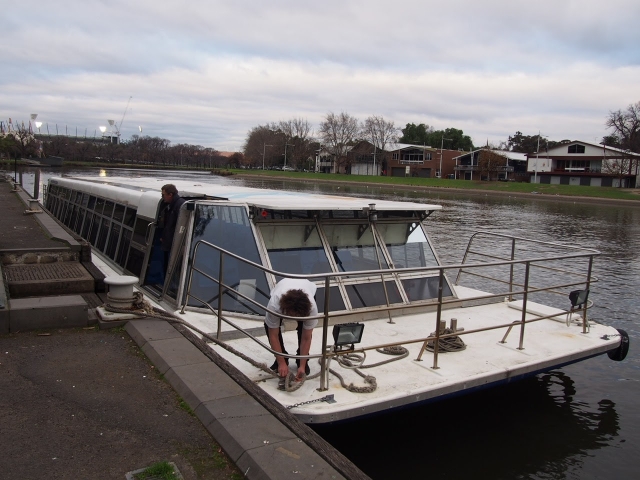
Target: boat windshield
column 227, row 227
column 349, row 247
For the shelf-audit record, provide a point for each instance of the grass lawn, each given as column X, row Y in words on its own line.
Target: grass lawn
column 507, row 187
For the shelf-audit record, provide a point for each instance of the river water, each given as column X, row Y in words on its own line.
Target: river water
column 578, row 422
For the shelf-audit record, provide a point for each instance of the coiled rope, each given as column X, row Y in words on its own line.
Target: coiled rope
column 448, row 344
column 351, row 361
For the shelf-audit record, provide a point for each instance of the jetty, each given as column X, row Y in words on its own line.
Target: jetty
column 49, row 282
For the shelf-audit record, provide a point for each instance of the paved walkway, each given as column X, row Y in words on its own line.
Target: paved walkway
column 85, row 403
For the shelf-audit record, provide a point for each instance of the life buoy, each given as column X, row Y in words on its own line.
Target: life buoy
column 620, row 353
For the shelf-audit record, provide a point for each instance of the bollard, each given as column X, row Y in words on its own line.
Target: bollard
column 120, row 292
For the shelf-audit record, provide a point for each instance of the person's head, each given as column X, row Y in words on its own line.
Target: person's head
column 169, row 191
column 295, row 303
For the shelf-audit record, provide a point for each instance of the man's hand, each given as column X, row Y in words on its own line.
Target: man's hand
column 283, row 368
column 300, row 374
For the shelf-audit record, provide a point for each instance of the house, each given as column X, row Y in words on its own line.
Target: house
column 362, row 158
column 487, row 164
column 406, row 160
column 584, row 163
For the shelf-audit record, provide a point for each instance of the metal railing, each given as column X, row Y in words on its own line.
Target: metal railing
column 571, row 277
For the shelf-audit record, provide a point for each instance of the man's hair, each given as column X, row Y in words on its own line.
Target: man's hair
column 170, row 188
column 295, row 303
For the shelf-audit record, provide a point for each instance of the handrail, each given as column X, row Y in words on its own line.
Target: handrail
column 464, row 267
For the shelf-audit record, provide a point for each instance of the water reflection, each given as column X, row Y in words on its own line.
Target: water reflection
column 531, row 429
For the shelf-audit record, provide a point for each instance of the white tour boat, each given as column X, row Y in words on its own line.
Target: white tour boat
column 396, row 326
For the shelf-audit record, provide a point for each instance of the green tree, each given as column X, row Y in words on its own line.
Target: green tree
column 449, row 138
column 529, row 143
column 416, row 134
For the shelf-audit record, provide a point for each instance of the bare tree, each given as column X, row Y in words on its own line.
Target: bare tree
column 379, row 132
column 337, row 132
column 619, row 167
column 626, row 133
column 490, row 163
column 626, row 127
column 296, row 140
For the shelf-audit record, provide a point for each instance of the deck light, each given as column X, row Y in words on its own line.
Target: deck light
column 347, row 334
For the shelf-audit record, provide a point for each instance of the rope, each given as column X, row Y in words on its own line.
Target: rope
column 448, row 344
column 143, row 308
column 351, row 361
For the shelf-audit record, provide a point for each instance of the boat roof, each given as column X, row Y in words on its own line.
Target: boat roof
column 261, row 198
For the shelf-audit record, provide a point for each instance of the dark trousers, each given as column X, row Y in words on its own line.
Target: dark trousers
column 281, row 340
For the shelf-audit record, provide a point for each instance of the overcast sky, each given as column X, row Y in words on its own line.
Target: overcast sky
column 206, row 71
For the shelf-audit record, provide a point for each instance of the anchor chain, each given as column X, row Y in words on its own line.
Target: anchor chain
column 326, row 398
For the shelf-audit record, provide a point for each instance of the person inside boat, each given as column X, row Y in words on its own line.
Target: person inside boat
column 169, row 218
column 295, row 298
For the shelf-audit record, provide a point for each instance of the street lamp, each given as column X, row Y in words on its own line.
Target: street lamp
column 441, row 148
column 535, row 169
column 264, row 148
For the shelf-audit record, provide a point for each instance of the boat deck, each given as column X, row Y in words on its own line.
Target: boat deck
column 548, row 344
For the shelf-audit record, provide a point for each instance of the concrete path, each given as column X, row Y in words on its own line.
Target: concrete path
column 262, row 445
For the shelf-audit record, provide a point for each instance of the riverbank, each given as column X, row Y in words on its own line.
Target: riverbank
column 553, row 193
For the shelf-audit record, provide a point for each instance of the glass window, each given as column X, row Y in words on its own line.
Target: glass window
column 130, row 217
column 353, row 247
column 134, row 261
column 336, row 303
column 99, row 204
column 118, row 213
column 407, row 244
column 125, row 241
column 295, row 249
column 95, row 226
column 102, row 236
column 372, row 294
column 113, row 241
column 108, row 209
column 425, row 288
column 227, row 227
column 140, row 231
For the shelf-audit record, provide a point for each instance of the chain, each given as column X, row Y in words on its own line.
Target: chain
column 607, row 336
column 326, row 398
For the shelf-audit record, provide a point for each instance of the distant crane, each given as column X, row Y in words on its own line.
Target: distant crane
column 117, row 127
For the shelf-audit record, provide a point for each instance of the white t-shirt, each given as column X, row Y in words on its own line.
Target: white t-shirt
column 282, row 287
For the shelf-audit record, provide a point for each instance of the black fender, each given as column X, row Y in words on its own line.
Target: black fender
column 620, row 353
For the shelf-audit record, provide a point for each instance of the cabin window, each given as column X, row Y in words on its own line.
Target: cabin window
column 425, row 288
column 125, row 241
column 372, row 294
column 229, row 228
column 295, row 249
column 130, row 217
column 102, row 235
column 99, row 205
column 114, row 235
column 108, row 209
column 407, row 244
column 140, row 232
column 353, row 247
column 336, row 303
column 118, row 213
